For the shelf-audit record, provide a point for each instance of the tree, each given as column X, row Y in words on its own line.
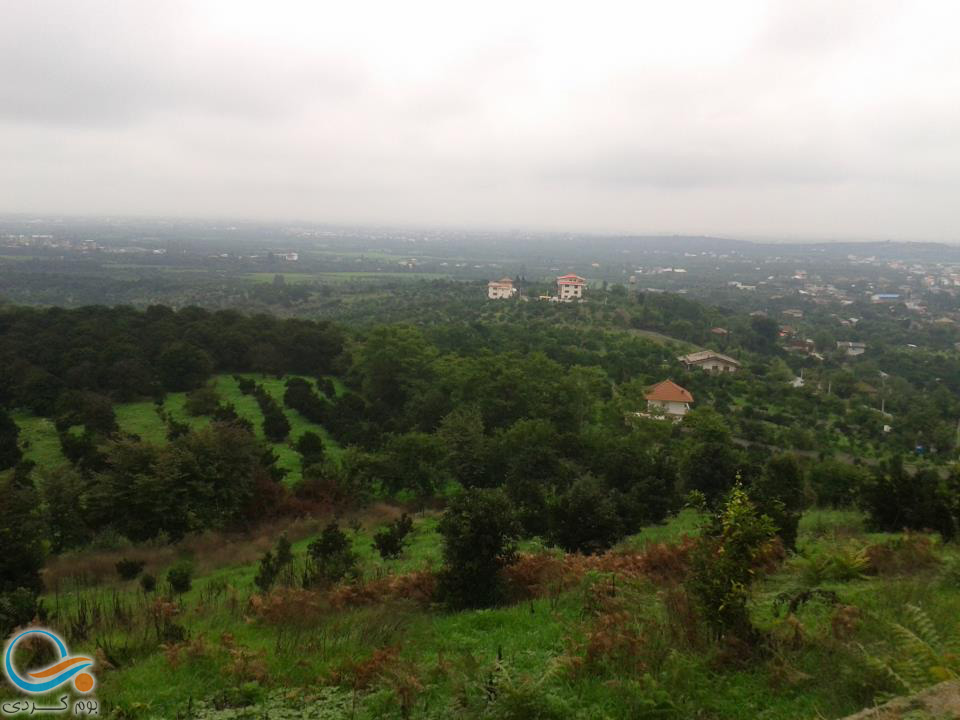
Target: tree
column 778, row 492
column 202, row 401
column 21, row 537
column 894, row 500
column 9, row 441
column 708, row 461
column 311, row 449
column 390, row 540
column 183, row 367
column 763, row 334
column 479, row 531
column 62, row 491
column 465, row 446
column 331, row 556
column 835, row 483
column 276, row 427
column 585, row 519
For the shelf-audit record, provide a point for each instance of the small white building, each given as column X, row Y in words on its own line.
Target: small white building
column 710, row 361
column 852, row 349
column 501, row 289
column 570, row 287
column 669, row 399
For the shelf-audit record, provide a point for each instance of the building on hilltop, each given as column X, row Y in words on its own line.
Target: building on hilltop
column 570, row 287
column 668, row 399
column 711, row 361
column 501, row 289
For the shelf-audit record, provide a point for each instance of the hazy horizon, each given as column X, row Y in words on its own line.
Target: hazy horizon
column 762, row 121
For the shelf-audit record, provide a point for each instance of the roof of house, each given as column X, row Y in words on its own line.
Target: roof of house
column 669, row 391
column 506, row 282
column 707, row 355
column 571, row 278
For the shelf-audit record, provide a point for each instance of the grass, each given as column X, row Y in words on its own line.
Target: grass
column 524, row 650
column 39, row 440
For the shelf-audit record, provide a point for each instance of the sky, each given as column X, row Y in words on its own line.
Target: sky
column 776, row 119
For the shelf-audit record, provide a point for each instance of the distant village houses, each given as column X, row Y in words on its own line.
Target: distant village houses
column 501, row 289
column 668, row 399
column 711, row 361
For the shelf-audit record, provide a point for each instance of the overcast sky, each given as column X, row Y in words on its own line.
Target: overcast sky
column 793, row 119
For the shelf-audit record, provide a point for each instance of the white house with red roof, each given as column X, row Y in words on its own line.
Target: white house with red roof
column 570, row 287
column 669, row 399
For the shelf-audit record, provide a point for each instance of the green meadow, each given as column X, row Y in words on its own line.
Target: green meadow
column 604, row 644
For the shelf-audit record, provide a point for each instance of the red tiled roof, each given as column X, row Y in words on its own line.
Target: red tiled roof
column 669, row 391
column 571, row 279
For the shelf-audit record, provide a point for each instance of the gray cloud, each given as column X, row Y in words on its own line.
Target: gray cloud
column 751, row 117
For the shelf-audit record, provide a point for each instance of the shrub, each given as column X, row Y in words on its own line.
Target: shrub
column 202, row 401
column 839, row 564
column 479, row 530
column 148, row 583
column 17, row 607
column 908, row 554
column 389, row 541
column 331, row 557
column 724, row 563
column 311, row 449
column 275, row 425
column 271, row 564
column 128, row 569
column 180, row 577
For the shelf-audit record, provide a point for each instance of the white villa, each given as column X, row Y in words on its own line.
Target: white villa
column 570, row 287
column 501, row 289
column 711, row 361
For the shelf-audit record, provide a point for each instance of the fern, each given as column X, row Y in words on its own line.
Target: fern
column 922, row 655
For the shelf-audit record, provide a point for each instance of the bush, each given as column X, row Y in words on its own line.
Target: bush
column 17, row 607
column 331, row 557
column 202, row 401
column 275, row 424
column 271, row 564
column 479, row 531
column 180, row 577
column 724, row 564
column 128, row 569
column 311, row 449
column 389, row 541
column 148, row 583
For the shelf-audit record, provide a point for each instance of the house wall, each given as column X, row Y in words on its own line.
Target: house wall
column 568, row 292
column 499, row 293
column 716, row 365
column 668, row 408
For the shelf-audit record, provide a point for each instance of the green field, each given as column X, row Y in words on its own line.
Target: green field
column 41, row 443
